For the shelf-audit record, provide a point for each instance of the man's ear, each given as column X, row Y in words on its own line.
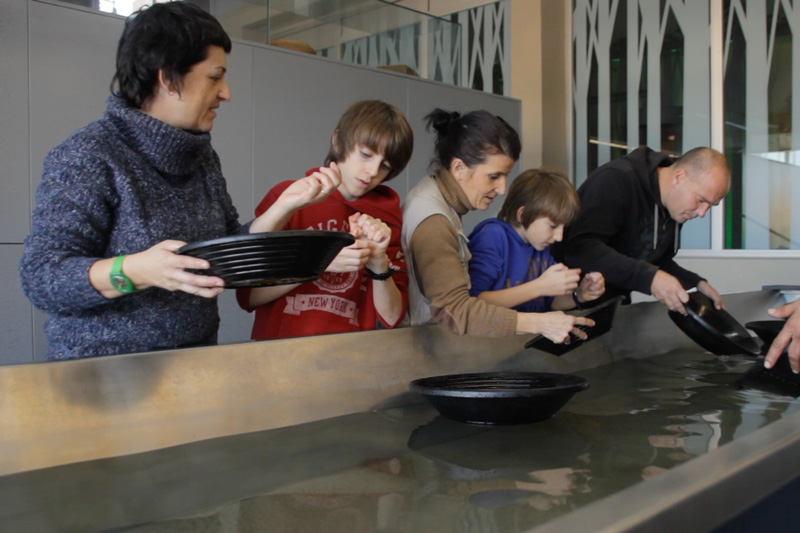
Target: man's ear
column 679, row 176
column 519, row 214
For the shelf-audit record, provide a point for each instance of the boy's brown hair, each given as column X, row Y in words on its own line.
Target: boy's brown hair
column 541, row 192
column 379, row 126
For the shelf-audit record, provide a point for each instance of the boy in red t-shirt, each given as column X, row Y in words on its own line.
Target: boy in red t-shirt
column 367, row 282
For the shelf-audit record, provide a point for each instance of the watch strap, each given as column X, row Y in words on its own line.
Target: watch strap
column 119, row 280
column 578, row 302
column 380, row 277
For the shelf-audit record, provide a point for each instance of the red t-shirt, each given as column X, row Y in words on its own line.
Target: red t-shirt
column 336, row 302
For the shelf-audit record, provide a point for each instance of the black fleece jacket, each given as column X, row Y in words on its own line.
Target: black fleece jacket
column 623, row 230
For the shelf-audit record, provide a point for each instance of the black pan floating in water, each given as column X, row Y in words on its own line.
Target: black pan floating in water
column 603, row 316
column 766, row 330
column 499, row 397
column 271, row 258
column 714, row 329
column 778, row 380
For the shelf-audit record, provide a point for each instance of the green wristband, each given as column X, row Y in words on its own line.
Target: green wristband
column 120, row 281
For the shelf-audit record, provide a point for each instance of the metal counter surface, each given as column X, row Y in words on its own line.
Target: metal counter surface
column 119, row 441
column 69, row 411
column 657, row 443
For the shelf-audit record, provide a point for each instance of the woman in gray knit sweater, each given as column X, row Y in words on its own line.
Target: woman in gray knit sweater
column 121, row 195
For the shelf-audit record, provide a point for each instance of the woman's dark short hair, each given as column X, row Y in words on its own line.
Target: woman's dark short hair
column 540, row 192
column 471, row 137
column 379, row 126
column 171, row 37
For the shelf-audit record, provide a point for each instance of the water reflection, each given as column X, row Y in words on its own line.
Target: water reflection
column 640, row 418
column 411, row 470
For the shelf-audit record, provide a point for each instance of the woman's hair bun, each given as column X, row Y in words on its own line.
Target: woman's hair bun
column 470, row 137
column 441, row 120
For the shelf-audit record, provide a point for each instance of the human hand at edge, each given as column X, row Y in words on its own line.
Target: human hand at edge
column 789, row 335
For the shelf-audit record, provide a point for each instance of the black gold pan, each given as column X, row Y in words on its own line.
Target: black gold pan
column 498, row 398
column 714, row 329
column 603, row 316
column 271, row 258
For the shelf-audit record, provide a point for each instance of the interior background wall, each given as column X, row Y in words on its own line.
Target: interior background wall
column 285, row 105
column 555, row 39
column 742, row 274
column 526, row 81
column 68, row 53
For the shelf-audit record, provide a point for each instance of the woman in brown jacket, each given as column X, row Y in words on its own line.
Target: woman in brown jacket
column 474, row 154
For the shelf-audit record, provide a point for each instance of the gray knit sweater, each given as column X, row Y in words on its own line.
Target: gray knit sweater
column 119, row 186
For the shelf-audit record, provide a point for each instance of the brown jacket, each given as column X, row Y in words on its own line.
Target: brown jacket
column 435, row 252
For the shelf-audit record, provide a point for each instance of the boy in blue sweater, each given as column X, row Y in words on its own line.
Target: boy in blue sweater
column 511, row 265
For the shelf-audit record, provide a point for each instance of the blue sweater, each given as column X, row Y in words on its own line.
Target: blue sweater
column 119, row 186
column 501, row 259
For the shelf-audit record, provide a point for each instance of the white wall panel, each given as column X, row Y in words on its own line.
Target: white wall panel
column 234, row 126
column 298, row 99
column 739, row 274
column 15, row 197
column 72, row 55
column 232, row 139
column 16, row 312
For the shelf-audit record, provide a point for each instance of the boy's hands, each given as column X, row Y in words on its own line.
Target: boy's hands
column 372, row 239
column 377, row 235
column 311, row 189
column 351, row 258
column 558, row 280
column 303, row 192
column 592, row 287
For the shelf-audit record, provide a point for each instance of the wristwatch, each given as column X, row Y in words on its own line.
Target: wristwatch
column 120, row 281
column 380, row 277
column 578, row 302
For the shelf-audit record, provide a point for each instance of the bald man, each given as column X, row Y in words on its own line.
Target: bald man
column 632, row 210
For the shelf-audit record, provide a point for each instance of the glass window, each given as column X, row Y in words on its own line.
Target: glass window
column 641, row 77
column 760, row 83
column 374, row 33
